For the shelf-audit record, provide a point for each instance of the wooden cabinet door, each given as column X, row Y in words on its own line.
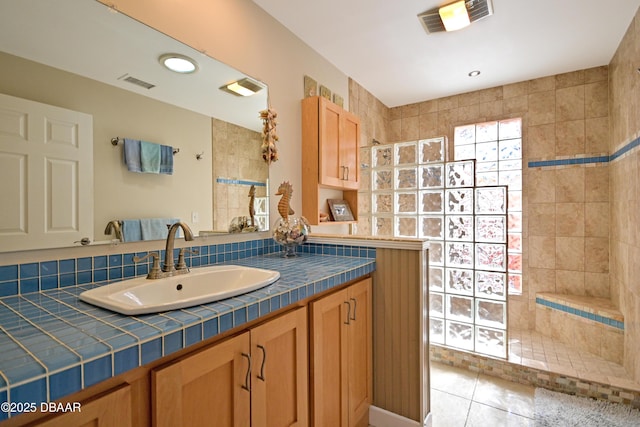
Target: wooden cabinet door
column 341, row 350
column 349, row 150
column 331, row 168
column 329, row 394
column 112, row 409
column 279, row 394
column 210, row 387
column 360, row 348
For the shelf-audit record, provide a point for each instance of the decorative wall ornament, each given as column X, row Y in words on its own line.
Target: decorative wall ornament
column 310, row 87
column 325, row 92
column 269, row 136
column 338, row 100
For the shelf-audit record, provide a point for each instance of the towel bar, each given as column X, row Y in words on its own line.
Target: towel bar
column 116, row 140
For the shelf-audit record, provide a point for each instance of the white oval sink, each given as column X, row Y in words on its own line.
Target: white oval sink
column 199, row 286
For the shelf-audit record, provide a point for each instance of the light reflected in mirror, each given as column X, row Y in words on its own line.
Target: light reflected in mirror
column 82, row 56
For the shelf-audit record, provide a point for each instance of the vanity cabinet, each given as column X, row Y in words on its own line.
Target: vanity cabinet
column 110, row 409
column 257, row 378
column 330, row 145
column 341, row 357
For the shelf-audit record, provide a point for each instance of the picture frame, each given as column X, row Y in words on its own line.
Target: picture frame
column 325, row 92
column 340, row 210
column 310, row 87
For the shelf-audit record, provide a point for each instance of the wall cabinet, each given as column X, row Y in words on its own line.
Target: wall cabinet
column 341, row 357
column 330, row 146
column 257, row 378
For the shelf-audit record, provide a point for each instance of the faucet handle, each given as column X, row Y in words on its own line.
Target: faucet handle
column 155, row 268
column 182, row 265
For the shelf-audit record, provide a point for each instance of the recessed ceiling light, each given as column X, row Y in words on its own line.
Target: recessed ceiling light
column 179, row 63
column 474, row 73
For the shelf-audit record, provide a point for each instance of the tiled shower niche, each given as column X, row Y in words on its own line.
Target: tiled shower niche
column 416, row 194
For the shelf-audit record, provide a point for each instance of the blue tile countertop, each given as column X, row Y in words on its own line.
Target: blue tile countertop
column 52, row 344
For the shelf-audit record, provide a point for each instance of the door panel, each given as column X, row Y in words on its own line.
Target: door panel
column 204, row 387
column 46, row 165
column 280, row 367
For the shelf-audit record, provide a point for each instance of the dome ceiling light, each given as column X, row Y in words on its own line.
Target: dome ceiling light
column 178, row 63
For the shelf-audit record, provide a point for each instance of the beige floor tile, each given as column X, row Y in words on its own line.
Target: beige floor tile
column 456, row 381
column 484, row 416
column 505, row 395
column 448, row 410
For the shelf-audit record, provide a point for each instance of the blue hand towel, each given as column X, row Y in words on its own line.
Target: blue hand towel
column 166, row 160
column 150, row 157
column 156, row 228
column 132, row 155
column 131, row 230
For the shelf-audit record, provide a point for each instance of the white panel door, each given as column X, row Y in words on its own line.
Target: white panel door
column 46, row 175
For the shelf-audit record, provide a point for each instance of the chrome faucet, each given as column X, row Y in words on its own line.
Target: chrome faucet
column 168, row 267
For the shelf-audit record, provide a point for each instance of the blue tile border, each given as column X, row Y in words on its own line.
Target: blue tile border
column 240, row 182
column 586, row 160
column 84, row 344
column 581, row 313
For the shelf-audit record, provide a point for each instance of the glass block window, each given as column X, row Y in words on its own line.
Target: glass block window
column 402, row 199
column 416, row 193
column 497, row 149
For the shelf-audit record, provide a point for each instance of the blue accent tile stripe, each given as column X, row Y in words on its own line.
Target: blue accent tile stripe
column 240, row 182
column 586, row 160
column 581, row 313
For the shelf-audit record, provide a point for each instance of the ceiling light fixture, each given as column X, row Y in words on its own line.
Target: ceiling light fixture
column 178, row 63
column 474, row 73
column 242, row 87
column 454, row 16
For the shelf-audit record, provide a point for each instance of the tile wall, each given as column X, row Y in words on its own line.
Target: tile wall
column 232, row 178
column 625, row 189
column 565, row 178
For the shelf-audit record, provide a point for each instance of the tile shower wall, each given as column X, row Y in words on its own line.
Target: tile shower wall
column 625, row 189
column 233, row 177
column 565, row 204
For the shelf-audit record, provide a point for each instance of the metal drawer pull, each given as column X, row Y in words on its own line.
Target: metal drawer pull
column 355, row 306
column 348, row 321
column 264, row 360
column 246, row 385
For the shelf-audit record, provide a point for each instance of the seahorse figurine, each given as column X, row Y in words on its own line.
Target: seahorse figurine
column 252, row 207
column 285, row 190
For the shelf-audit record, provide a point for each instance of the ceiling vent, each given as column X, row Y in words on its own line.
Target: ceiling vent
column 137, row 82
column 477, row 10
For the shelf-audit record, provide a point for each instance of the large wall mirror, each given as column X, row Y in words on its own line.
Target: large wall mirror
column 83, row 56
